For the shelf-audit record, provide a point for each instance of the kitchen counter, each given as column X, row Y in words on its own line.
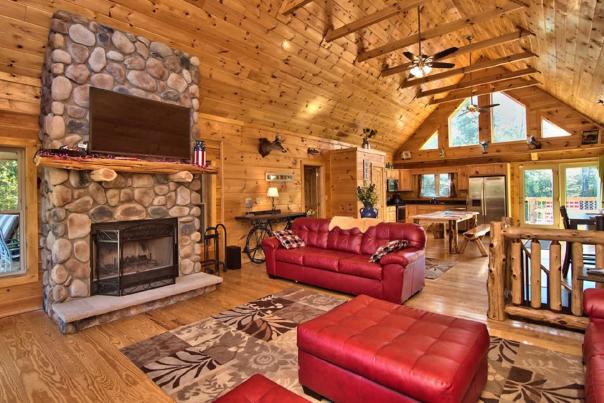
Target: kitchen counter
column 438, row 202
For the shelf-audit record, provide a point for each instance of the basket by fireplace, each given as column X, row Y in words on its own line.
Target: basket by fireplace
column 133, row 256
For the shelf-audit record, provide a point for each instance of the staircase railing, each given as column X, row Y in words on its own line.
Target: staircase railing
column 515, row 274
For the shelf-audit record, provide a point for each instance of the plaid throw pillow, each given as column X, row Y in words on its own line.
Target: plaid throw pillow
column 390, row 247
column 288, row 239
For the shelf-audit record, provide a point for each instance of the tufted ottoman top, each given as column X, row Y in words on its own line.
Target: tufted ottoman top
column 258, row 389
column 426, row 356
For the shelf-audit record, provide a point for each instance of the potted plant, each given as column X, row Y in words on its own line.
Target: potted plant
column 368, row 196
column 367, row 134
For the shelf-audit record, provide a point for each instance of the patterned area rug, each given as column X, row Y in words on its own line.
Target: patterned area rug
column 436, row 267
column 203, row 360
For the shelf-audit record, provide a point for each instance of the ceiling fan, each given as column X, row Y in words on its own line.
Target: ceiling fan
column 473, row 107
column 421, row 64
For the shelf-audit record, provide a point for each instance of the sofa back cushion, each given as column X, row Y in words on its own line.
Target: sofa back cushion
column 345, row 240
column 383, row 233
column 314, row 231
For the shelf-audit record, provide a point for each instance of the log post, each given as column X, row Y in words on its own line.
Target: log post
column 103, row 175
column 555, row 274
column 599, row 261
column 516, row 258
column 576, row 305
column 495, row 281
column 535, row 274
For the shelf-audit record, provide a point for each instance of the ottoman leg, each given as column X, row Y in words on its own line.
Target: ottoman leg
column 312, row 393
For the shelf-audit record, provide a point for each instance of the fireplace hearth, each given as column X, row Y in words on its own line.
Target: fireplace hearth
column 132, row 256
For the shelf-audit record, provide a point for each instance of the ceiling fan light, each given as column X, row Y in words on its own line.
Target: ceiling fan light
column 420, row 72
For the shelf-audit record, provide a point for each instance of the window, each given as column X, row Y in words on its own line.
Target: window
column 548, row 129
column 508, row 119
column 463, row 126
column 11, row 212
column 538, row 194
column 435, row 185
column 431, row 143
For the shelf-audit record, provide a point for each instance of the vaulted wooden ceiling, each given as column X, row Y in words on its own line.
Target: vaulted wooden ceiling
column 264, row 67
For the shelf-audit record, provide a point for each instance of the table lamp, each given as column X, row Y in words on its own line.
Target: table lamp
column 273, row 193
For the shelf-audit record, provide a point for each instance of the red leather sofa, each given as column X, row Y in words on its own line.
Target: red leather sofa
column 339, row 259
column 593, row 345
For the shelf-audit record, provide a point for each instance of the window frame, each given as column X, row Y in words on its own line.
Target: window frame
column 20, row 211
column 450, row 118
column 29, row 252
column 494, row 110
column 569, row 134
column 436, row 185
column 434, row 134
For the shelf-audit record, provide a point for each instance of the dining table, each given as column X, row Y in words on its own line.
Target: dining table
column 450, row 219
column 595, row 220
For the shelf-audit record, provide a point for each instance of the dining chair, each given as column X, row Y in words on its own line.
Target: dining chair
column 588, row 258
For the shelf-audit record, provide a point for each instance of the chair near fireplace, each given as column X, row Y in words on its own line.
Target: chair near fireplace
column 133, row 256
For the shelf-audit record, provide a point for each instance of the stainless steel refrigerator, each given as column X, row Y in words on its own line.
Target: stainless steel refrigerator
column 487, row 196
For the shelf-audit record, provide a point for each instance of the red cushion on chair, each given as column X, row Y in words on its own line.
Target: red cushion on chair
column 425, row 356
column 258, row 389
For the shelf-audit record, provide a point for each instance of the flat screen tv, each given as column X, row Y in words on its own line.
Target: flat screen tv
column 126, row 125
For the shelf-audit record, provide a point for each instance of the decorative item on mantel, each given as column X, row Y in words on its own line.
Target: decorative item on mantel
column 199, row 154
column 367, row 196
column 368, row 134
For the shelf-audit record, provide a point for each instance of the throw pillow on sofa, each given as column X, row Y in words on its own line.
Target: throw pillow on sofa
column 390, row 247
column 288, row 239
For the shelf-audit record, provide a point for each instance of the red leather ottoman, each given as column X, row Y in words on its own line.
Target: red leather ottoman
column 369, row 350
column 259, row 389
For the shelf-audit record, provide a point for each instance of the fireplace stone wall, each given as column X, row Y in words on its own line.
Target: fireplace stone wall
column 82, row 53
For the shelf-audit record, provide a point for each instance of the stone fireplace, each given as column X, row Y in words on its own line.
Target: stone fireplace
column 75, row 207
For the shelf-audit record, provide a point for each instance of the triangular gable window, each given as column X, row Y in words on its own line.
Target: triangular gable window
column 431, row 143
column 549, row 129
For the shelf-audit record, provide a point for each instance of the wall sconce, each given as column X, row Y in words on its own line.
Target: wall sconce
column 485, row 146
column 533, row 143
column 441, row 152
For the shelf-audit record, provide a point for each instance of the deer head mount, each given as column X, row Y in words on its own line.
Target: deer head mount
column 266, row 146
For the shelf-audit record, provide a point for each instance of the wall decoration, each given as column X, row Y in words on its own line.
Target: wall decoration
column 590, row 137
column 406, row 155
column 265, row 146
column 533, row 143
column 279, row 177
column 313, row 151
column 366, row 171
column 485, row 146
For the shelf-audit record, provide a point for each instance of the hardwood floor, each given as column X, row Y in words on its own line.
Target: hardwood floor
column 38, row 364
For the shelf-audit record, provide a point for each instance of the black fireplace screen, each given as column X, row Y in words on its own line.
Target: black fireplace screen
column 133, row 256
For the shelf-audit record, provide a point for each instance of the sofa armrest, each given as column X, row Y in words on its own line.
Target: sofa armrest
column 593, row 302
column 271, row 243
column 397, row 257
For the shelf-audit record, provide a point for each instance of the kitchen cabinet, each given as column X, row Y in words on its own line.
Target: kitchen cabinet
column 390, row 214
column 405, row 180
column 392, row 173
column 462, row 179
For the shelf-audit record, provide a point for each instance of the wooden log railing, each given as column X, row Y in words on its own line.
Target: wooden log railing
column 515, row 286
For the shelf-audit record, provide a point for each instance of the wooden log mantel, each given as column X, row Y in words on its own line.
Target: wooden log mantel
column 121, row 165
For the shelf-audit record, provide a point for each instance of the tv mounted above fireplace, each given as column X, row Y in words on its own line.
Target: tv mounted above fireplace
column 127, row 125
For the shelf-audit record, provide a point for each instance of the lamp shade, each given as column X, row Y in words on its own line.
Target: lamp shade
column 272, row 192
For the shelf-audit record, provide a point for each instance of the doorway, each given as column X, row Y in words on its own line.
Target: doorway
column 312, row 190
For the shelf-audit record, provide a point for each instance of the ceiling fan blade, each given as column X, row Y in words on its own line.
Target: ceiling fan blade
column 409, row 56
column 442, row 65
column 490, row 106
column 445, row 53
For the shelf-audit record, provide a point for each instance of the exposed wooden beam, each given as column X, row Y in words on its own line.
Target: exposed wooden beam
column 469, row 69
column 371, row 19
column 439, row 31
column 289, row 6
column 508, row 75
column 511, row 37
column 487, row 89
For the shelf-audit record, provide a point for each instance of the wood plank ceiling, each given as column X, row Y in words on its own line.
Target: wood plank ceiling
column 260, row 66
